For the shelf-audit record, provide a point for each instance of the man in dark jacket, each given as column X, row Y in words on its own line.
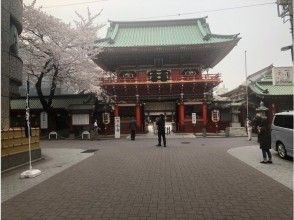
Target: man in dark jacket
column 161, row 130
column 133, row 129
column 265, row 141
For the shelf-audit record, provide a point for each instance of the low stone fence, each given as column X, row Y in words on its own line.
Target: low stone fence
column 15, row 147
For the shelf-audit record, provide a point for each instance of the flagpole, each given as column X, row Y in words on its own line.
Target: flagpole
column 31, row 173
column 28, row 121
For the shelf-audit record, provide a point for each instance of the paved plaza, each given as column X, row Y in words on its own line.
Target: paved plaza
column 195, row 178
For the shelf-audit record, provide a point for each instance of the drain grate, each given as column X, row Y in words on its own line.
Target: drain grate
column 185, row 142
column 89, row 151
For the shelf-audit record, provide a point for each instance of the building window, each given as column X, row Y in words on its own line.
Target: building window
column 13, row 39
column 80, row 119
column 284, row 121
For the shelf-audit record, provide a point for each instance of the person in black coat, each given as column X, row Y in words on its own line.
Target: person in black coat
column 161, row 130
column 133, row 129
column 265, row 141
column 257, row 120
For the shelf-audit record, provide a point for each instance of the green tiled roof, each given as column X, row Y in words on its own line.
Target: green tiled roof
column 161, row 33
column 61, row 102
column 269, row 89
column 262, row 84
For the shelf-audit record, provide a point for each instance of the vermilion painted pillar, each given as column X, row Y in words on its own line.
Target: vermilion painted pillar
column 138, row 116
column 181, row 115
column 116, row 111
column 204, row 114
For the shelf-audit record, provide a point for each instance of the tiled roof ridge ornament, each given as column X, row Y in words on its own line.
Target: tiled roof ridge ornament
column 113, row 22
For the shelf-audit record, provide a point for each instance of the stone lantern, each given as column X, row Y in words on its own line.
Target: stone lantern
column 235, row 129
column 235, row 114
column 261, row 110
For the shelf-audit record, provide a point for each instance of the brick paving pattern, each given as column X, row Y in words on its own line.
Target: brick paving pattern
column 136, row 180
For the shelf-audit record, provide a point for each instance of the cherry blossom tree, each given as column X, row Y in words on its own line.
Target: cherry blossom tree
column 57, row 52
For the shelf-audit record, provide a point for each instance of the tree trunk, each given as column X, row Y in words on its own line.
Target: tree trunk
column 46, row 103
column 42, row 99
column 38, row 85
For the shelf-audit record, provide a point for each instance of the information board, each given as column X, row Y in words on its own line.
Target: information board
column 194, row 118
column 282, row 75
column 117, row 127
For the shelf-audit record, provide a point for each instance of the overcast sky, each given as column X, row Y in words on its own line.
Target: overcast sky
column 263, row 32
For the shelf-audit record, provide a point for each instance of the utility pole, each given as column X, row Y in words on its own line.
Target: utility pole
column 285, row 11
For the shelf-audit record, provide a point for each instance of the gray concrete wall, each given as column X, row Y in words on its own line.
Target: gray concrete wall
column 11, row 64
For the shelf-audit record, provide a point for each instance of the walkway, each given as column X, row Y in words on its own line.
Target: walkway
column 280, row 170
column 190, row 179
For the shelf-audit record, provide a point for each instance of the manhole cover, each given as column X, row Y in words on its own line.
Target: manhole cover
column 89, row 151
column 186, row 142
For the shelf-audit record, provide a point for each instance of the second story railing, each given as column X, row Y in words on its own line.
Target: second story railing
column 171, row 79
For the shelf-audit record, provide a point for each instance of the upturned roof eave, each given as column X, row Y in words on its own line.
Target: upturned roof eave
column 233, row 41
column 225, row 47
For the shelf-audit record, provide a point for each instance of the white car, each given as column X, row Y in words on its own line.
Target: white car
column 282, row 134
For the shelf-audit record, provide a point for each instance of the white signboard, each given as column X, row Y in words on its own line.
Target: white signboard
column 282, row 75
column 194, row 119
column 117, row 127
column 215, row 117
column 44, row 120
column 80, row 119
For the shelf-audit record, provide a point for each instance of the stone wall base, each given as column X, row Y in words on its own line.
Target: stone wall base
column 14, row 160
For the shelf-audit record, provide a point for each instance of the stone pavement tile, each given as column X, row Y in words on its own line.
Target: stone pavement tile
column 139, row 181
column 56, row 160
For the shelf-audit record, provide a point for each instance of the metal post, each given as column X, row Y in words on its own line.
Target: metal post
column 247, row 113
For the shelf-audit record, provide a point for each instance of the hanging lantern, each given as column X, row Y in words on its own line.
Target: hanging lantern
column 106, row 118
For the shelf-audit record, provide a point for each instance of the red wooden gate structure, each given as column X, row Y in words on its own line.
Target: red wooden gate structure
column 158, row 67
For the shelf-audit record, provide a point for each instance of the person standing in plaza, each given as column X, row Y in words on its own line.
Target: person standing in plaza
column 249, row 129
column 161, row 130
column 265, row 142
column 95, row 126
column 133, row 129
column 94, row 133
